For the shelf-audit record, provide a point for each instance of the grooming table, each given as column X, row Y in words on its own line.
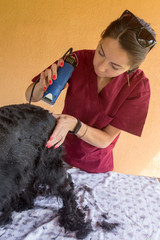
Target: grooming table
column 131, row 201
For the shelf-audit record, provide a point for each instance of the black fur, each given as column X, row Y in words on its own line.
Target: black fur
column 27, row 166
column 26, row 163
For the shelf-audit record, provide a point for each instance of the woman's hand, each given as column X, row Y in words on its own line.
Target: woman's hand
column 49, row 75
column 46, row 78
column 65, row 123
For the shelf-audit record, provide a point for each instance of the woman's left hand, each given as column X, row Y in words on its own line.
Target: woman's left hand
column 65, row 123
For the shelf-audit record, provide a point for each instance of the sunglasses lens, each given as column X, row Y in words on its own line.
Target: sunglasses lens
column 145, row 39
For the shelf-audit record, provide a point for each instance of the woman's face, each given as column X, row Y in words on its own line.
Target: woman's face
column 110, row 60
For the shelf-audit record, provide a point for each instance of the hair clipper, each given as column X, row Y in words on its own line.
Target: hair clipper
column 63, row 75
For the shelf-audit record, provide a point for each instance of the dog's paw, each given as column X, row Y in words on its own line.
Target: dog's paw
column 24, row 202
column 75, row 222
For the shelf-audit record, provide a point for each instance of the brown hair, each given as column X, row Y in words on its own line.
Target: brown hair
column 128, row 41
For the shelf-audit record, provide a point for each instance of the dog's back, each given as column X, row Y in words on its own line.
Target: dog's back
column 25, row 122
column 23, row 128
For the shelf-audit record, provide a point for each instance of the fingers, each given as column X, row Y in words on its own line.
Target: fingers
column 50, row 74
column 56, row 142
column 56, row 137
column 43, row 81
column 59, row 134
column 60, row 62
column 55, row 67
column 54, row 71
column 66, row 85
column 59, row 143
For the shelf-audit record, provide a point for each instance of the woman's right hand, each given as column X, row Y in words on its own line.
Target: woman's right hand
column 46, row 78
column 50, row 74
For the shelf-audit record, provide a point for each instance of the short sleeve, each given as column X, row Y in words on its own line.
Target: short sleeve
column 133, row 112
column 36, row 78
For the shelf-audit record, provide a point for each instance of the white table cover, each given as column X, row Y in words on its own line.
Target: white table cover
column 131, row 201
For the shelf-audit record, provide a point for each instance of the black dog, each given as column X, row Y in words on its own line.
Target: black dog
column 26, row 163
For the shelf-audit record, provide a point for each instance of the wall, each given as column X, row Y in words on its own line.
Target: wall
column 35, row 33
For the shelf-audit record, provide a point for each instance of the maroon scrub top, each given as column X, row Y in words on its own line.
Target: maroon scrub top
column 122, row 106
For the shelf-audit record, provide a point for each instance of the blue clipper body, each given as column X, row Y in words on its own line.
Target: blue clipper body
column 63, row 75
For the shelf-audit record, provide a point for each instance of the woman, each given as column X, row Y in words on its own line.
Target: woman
column 107, row 93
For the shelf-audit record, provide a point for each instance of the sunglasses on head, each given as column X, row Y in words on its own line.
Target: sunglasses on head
column 143, row 36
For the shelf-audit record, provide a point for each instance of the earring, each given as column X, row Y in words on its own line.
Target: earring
column 129, row 72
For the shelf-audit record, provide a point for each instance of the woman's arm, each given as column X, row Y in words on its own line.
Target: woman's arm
column 93, row 136
column 37, row 93
column 98, row 138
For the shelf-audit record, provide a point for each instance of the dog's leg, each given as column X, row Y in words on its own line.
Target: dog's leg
column 6, row 215
column 71, row 217
column 53, row 174
column 8, row 192
column 26, row 198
